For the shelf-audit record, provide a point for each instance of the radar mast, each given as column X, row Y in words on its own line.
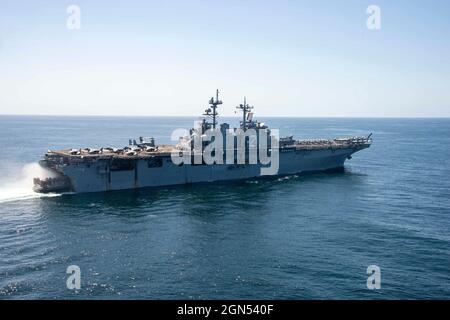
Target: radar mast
column 212, row 111
column 245, row 109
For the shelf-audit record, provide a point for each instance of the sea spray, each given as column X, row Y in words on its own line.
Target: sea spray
column 19, row 185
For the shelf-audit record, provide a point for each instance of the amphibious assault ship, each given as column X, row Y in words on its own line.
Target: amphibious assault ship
column 147, row 164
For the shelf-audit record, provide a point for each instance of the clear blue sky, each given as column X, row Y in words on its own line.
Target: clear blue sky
column 291, row 58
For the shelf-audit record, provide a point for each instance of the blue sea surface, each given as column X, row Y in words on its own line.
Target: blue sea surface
column 293, row 237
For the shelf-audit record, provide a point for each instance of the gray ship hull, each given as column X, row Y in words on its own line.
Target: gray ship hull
column 146, row 164
column 98, row 176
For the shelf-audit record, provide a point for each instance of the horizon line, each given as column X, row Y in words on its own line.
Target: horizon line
column 227, row 116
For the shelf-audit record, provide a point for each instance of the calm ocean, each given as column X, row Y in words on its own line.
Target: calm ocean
column 299, row 237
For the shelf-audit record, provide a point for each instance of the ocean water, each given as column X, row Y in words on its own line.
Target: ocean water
column 295, row 237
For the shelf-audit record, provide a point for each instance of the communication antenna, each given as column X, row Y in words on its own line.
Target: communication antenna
column 245, row 109
column 212, row 111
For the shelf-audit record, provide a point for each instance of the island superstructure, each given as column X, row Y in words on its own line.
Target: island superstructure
column 147, row 164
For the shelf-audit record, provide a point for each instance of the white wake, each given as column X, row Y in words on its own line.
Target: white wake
column 19, row 185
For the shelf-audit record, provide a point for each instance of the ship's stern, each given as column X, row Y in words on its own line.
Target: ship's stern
column 54, row 180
